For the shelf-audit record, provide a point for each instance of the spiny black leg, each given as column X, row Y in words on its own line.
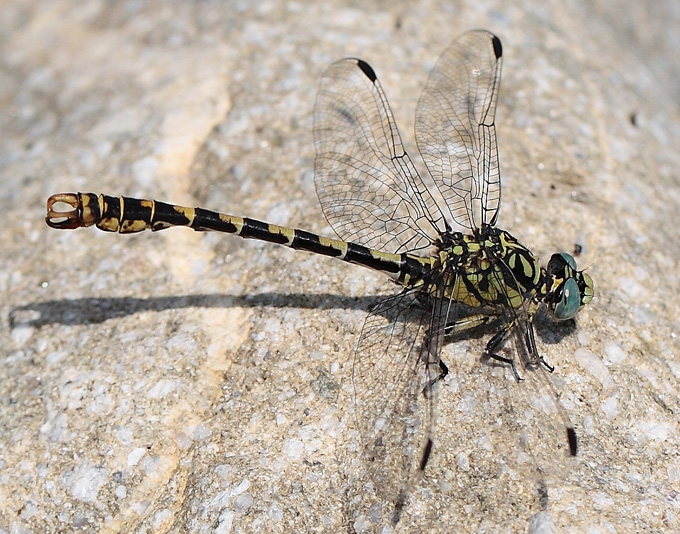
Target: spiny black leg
column 444, row 370
column 533, row 351
column 549, row 367
column 508, row 361
column 495, row 343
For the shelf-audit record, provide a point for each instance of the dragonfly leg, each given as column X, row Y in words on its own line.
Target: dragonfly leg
column 497, row 342
column 443, row 371
column 535, row 357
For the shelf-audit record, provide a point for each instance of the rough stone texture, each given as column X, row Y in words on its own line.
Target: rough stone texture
column 187, row 383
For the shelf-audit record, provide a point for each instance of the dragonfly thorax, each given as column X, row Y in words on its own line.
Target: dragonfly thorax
column 489, row 268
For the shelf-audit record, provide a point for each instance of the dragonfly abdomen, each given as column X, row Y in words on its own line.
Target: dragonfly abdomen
column 127, row 215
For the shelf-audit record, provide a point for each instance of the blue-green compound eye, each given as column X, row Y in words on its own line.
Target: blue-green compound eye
column 567, row 307
column 569, row 259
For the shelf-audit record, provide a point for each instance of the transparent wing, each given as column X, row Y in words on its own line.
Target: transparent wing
column 455, row 128
column 369, row 190
column 395, row 375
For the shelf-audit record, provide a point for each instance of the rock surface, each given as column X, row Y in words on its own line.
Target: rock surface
column 182, row 382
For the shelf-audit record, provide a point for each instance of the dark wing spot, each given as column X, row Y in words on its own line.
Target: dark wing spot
column 571, row 436
column 367, row 70
column 497, row 47
column 426, row 455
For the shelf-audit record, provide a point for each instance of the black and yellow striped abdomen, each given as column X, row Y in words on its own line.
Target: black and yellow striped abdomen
column 127, row 215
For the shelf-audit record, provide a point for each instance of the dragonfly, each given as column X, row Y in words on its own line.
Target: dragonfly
column 434, row 236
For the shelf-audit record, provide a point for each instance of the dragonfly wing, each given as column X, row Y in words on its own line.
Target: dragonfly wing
column 395, row 375
column 455, row 128
column 369, row 190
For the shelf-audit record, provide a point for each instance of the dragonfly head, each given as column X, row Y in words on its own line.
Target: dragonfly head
column 568, row 288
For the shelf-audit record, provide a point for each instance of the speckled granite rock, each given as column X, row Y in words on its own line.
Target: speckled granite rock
column 187, row 383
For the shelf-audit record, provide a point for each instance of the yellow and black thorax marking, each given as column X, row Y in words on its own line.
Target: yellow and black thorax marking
column 490, row 268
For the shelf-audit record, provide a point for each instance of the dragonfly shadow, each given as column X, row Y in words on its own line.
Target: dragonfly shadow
column 85, row 311
column 552, row 332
